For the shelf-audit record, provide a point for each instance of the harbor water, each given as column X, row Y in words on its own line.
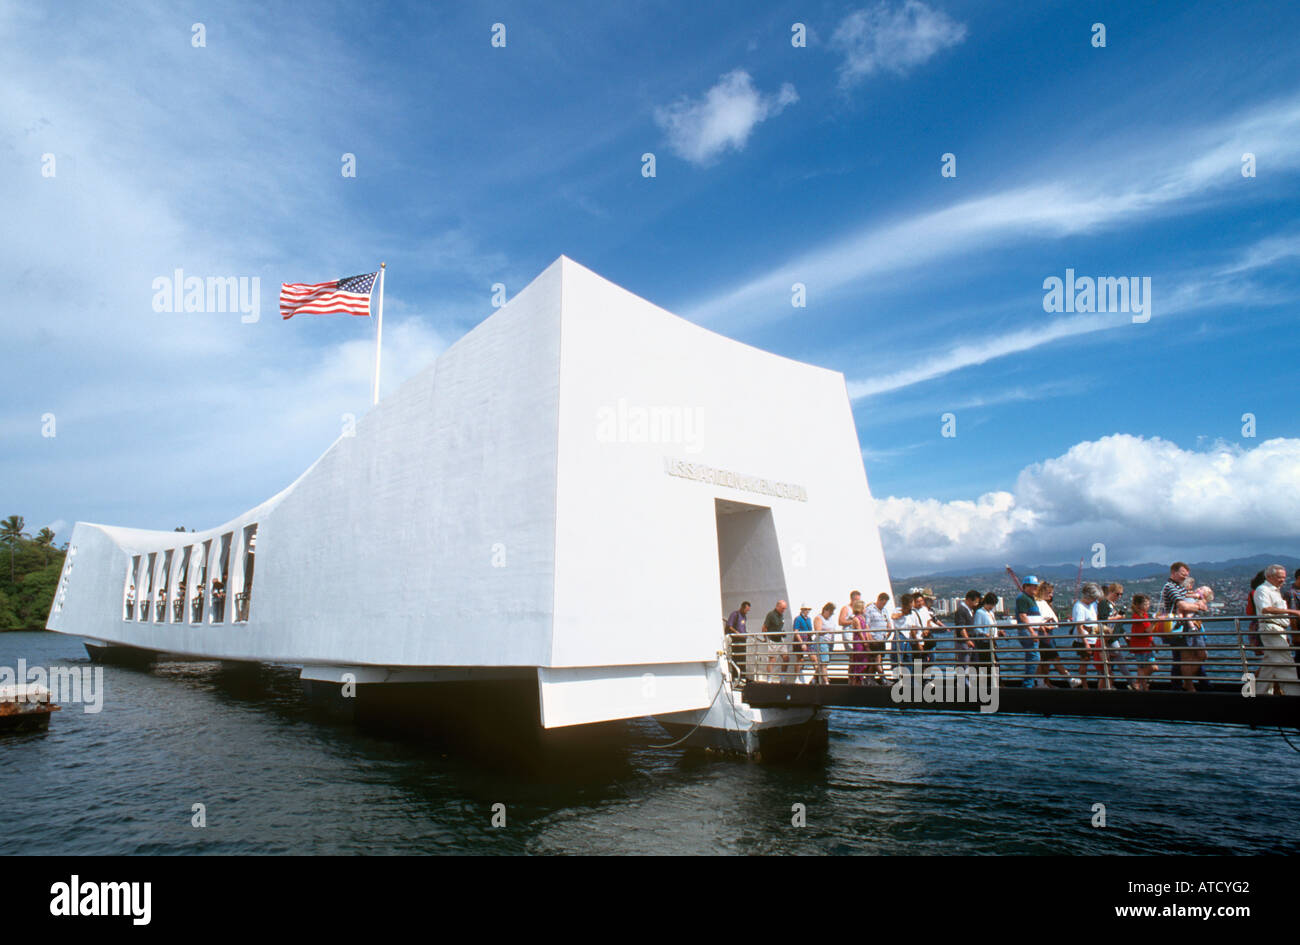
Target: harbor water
column 273, row 777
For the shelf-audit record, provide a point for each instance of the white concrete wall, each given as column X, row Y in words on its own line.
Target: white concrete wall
column 400, row 522
column 382, row 553
column 637, row 576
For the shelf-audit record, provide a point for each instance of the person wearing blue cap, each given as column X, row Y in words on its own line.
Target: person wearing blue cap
column 1028, row 618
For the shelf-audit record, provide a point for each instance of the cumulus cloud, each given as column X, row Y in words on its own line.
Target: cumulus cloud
column 892, row 39
column 700, row 130
column 1142, row 498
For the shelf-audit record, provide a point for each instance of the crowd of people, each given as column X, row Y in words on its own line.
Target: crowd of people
column 1119, row 646
column 218, row 600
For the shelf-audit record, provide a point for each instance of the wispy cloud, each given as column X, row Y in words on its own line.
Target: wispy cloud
column 969, row 355
column 887, row 453
column 1264, row 254
column 975, row 398
column 892, row 39
column 700, row 130
column 1157, row 183
column 1187, row 295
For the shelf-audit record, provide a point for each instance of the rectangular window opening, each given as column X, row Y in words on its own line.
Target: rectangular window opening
column 244, row 598
column 164, row 589
column 221, row 581
column 198, row 601
column 146, row 602
column 128, row 592
column 182, row 583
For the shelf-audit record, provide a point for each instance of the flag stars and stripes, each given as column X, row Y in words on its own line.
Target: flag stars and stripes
column 348, row 296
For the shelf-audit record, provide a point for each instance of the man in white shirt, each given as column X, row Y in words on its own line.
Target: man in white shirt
column 1277, row 673
column 922, row 607
column 878, row 619
column 879, row 624
column 846, row 615
column 929, row 622
column 1089, row 641
column 907, row 629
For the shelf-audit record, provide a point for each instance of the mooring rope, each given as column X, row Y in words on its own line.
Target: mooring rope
column 674, row 744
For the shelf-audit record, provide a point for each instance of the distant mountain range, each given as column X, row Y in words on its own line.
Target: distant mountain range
column 1060, row 573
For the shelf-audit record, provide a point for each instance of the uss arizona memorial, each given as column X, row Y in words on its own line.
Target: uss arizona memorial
column 513, row 521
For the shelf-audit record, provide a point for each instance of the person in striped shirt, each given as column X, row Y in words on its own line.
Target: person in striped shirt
column 1187, row 650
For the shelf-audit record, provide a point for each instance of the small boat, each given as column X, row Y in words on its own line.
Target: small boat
column 25, row 708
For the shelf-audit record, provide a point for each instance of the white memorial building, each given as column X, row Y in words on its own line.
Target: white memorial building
column 567, row 503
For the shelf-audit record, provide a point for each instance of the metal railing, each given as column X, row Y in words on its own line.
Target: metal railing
column 1193, row 654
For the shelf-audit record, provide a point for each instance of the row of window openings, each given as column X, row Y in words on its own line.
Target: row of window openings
column 62, row 594
column 185, row 594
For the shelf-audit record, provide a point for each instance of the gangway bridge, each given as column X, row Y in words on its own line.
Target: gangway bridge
column 1236, row 676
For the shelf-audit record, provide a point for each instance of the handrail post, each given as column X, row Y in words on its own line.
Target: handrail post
column 1241, row 645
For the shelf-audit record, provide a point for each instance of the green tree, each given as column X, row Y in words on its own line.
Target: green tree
column 35, row 594
column 44, row 540
column 11, row 533
column 8, row 618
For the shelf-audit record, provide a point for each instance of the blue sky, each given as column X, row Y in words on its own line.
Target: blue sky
column 774, row 165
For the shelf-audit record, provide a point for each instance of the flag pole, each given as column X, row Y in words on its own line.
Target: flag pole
column 379, row 331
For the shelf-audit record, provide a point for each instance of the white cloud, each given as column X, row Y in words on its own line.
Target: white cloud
column 1161, row 181
column 227, row 447
column 969, row 354
column 1264, row 254
column 1142, row 498
column 892, row 39
column 701, row 130
column 1150, row 184
column 945, row 400
column 234, row 410
column 1173, row 298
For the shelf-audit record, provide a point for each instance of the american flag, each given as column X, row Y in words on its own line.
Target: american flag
column 350, row 296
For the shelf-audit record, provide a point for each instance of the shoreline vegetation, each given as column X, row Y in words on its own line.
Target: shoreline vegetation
column 30, row 566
